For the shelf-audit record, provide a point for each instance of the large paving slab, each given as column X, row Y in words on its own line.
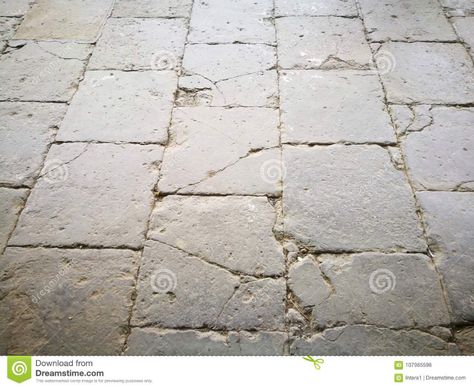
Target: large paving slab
column 229, row 21
column 224, row 151
column 241, row 241
column 11, row 203
column 449, row 217
column 152, row 8
column 65, row 20
column 121, row 106
column 140, row 43
column 14, row 7
column 26, row 130
column 228, row 75
column 465, row 29
column 333, row 106
column 78, row 304
column 42, row 71
column 427, row 73
column 458, row 7
column 179, row 290
column 315, row 8
column 322, row 42
column 406, row 20
column 389, row 290
column 91, row 194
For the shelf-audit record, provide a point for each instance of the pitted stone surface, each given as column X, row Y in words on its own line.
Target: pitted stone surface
column 92, row 194
column 465, row 340
column 329, row 107
column 8, row 27
column 348, row 198
column 152, row 8
column 14, row 7
column 78, row 304
column 11, row 203
column 458, row 7
column 465, row 29
column 121, row 106
column 411, row 118
column 315, row 8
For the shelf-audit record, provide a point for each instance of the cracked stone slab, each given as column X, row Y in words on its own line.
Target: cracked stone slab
column 152, row 8
column 11, row 203
column 65, row 20
column 390, row 290
column 8, row 27
column 465, row 340
column 228, row 21
column 42, row 71
column 14, row 7
column 228, row 75
column 322, row 42
column 441, row 156
column 225, row 151
column 348, row 198
column 78, row 304
column 121, row 106
column 137, row 44
column 426, row 73
column 449, row 217
column 364, row 340
column 465, row 29
column 406, row 20
column 91, row 194
column 329, row 107
column 411, row 118
column 315, row 8
column 163, row 342
column 242, row 240
column 458, row 7
column 179, row 290
column 26, row 131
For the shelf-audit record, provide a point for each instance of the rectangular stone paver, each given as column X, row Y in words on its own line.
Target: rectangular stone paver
column 66, row 20
column 315, row 8
column 11, row 203
column 26, row 131
column 78, row 304
column 152, row 8
column 465, row 29
column 14, row 7
column 121, row 106
column 333, row 106
column 91, row 194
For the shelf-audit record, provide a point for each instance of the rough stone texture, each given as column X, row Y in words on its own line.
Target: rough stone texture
column 370, row 288
column 450, row 227
column 426, row 72
column 42, row 71
column 229, row 21
column 7, row 27
column 411, row 118
column 203, row 295
column 441, row 156
column 406, row 20
column 63, row 19
column 121, row 106
column 458, row 7
column 92, row 194
column 321, row 42
column 242, row 240
column 465, row 340
column 364, row 340
column 465, row 29
column 152, row 8
column 156, row 342
column 329, row 107
column 26, row 131
column 315, row 8
column 134, row 44
column 14, row 7
column 228, row 74
column 348, row 198
column 11, row 203
column 78, row 304
column 216, row 150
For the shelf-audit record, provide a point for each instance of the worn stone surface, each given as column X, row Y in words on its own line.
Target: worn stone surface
column 63, row 19
column 348, row 198
column 14, row 7
column 458, row 7
column 26, row 131
column 450, row 226
column 91, row 194
column 364, row 340
column 121, row 106
column 11, row 203
column 465, row 340
column 241, row 241
column 8, row 27
column 406, row 20
column 411, row 118
column 321, row 42
column 426, row 72
column 42, row 71
column 152, row 8
column 78, row 304
column 329, row 107
column 228, row 21
column 315, row 8
column 222, row 151
column 441, row 156
column 465, row 29
column 133, row 43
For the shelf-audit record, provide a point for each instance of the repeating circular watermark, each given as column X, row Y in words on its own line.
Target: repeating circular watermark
column 163, row 281
column 385, row 61
column 382, row 280
column 163, row 60
column 272, row 171
column 55, row 171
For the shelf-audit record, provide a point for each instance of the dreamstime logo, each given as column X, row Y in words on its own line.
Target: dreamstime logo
column 385, row 61
column 55, row 171
column 19, row 368
column 163, row 60
column 164, row 281
column 272, row 171
column 382, row 280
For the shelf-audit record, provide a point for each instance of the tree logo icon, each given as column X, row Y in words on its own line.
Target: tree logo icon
column 19, row 368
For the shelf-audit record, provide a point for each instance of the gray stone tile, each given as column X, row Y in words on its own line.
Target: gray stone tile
column 8, row 27
column 465, row 29
column 315, row 8
column 465, row 340
column 11, row 203
column 152, row 8
column 458, row 7
column 14, row 7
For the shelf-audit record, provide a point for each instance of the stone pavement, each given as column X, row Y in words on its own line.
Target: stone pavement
column 237, row 177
